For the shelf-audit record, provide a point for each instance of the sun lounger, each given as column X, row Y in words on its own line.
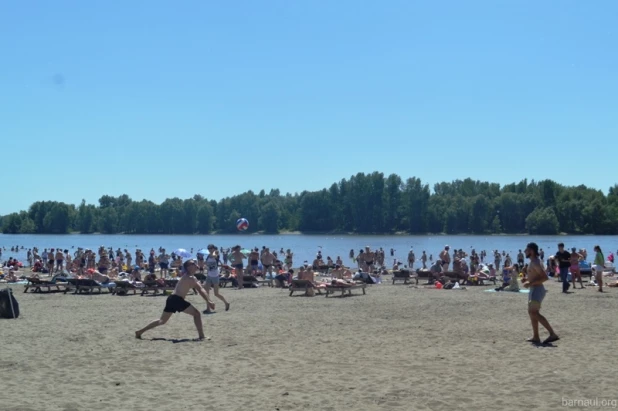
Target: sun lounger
column 405, row 276
column 202, row 278
column 249, row 281
column 37, row 285
column 89, row 285
column 123, row 288
column 224, row 281
column 302, row 285
column 155, row 287
column 331, row 289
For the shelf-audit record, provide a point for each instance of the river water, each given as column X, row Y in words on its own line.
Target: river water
column 305, row 246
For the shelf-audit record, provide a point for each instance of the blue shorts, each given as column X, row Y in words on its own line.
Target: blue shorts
column 212, row 280
column 536, row 295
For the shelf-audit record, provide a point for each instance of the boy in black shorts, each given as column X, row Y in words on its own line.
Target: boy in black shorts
column 177, row 303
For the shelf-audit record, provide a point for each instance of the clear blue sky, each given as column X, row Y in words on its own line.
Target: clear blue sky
column 160, row 99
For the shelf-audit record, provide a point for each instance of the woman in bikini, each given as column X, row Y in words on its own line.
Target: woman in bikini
column 575, row 271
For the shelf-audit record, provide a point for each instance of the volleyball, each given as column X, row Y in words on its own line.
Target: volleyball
column 242, row 224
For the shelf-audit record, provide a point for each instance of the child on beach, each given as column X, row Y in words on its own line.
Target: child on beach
column 177, row 303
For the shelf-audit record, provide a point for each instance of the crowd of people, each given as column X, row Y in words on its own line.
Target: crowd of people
column 214, row 264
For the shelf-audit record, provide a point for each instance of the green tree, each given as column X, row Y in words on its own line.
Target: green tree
column 542, row 221
column 269, row 218
column 11, row 223
column 205, row 218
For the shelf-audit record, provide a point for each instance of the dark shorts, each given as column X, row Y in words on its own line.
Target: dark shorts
column 59, row 262
column 50, row 262
column 103, row 270
column 175, row 304
column 151, row 268
column 254, row 263
column 163, row 266
column 267, row 266
column 237, row 266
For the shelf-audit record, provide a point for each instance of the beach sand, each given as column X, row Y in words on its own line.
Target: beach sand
column 395, row 348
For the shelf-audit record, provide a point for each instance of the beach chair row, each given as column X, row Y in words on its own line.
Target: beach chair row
column 85, row 285
column 305, row 285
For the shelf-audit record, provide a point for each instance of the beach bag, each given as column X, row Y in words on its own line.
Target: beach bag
column 6, row 298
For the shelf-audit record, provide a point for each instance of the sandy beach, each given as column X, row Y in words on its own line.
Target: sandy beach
column 396, row 348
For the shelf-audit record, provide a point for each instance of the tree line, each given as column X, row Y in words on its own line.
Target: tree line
column 364, row 203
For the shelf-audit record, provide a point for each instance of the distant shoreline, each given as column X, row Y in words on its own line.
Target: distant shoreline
column 347, row 234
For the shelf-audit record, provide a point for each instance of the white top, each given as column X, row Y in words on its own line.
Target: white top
column 212, row 266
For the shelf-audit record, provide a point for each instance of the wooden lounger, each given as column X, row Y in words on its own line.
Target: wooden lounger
column 37, row 285
column 405, row 276
column 89, row 285
column 249, row 280
column 123, row 287
column 331, row 289
column 267, row 281
column 156, row 287
column 302, row 285
column 224, row 281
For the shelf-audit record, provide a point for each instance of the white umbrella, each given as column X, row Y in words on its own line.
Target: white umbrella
column 183, row 253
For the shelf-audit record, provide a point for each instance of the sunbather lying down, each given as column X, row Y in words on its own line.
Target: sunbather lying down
column 343, row 283
column 101, row 278
column 612, row 284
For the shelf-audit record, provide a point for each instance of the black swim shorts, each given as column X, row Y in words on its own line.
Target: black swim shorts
column 175, row 304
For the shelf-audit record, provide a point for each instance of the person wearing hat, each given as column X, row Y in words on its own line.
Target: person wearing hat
column 176, row 302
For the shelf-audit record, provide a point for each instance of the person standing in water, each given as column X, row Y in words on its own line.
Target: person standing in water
column 177, row 303
column 536, row 277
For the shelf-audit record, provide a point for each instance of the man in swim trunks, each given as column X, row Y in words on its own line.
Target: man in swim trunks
column 411, row 259
column 254, row 259
column 50, row 261
column 446, row 258
column 177, row 303
column 536, row 277
column 369, row 257
column 59, row 260
column 520, row 259
column 236, row 260
column 267, row 261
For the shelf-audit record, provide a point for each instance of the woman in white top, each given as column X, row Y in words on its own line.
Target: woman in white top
column 212, row 275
